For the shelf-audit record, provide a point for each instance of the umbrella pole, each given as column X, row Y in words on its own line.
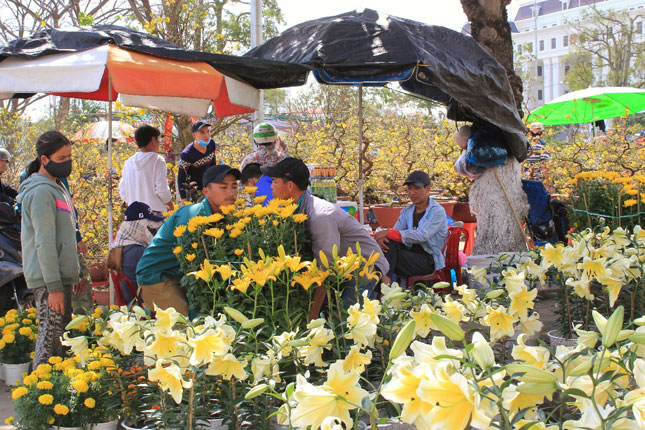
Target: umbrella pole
column 109, row 178
column 361, row 214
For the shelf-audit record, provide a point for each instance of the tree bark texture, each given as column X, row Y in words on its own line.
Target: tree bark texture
column 489, row 27
column 497, row 229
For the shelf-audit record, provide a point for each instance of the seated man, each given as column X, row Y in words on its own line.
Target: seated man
column 132, row 239
column 413, row 246
column 327, row 223
column 158, row 272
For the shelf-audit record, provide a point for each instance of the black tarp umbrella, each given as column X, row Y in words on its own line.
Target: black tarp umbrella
column 370, row 48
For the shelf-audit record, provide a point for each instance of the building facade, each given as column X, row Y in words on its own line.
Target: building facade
column 548, row 36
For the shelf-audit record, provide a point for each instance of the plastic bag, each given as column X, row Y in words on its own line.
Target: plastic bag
column 486, row 148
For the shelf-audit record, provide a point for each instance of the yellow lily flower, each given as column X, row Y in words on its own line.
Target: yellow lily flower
column 521, row 301
column 205, row 273
column 336, row 397
column 499, row 321
column 402, row 389
column 209, row 344
column 165, row 344
column 166, row 318
column 169, row 378
column 455, row 405
column 227, row 367
column 423, row 322
column 356, row 361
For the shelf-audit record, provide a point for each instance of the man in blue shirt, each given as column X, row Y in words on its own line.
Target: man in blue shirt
column 158, row 272
column 413, row 247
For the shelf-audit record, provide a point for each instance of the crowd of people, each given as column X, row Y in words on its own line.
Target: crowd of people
column 142, row 249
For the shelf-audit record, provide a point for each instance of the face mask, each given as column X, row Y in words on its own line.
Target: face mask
column 59, row 170
column 203, row 142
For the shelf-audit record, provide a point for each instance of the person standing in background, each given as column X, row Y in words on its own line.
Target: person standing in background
column 7, row 192
column 194, row 160
column 145, row 176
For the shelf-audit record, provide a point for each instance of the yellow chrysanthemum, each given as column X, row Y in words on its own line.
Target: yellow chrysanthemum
column 46, row 399
column 44, row 385
column 89, row 403
column 19, row 392
column 61, row 409
column 179, row 230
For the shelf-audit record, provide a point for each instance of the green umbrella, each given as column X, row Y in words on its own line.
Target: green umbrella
column 590, row 105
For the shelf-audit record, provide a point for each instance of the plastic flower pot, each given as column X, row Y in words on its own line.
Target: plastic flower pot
column 13, row 373
column 556, row 339
column 2, row 370
column 127, row 427
column 101, row 291
column 111, row 425
column 67, row 428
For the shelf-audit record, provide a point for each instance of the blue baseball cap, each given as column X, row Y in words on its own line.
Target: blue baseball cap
column 140, row 210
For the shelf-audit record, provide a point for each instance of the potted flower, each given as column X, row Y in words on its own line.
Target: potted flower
column 101, row 401
column 19, row 330
column 49, row 397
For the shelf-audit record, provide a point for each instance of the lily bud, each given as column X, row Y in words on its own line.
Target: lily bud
column 235, row 314
column 482, row 352
column 624, row 334
column 494, row 294
column 581, row 369
column 637, row 337
column 251, row 324
column 318, row 322
column 256, row 391
column 440, row 285
column 537, row 388
column 76, row 322
column 640, row 321
column 531, row 373
column 600, row 321
column 297, row 343
column 613, row 327
column 448, row 327
column 403, row 340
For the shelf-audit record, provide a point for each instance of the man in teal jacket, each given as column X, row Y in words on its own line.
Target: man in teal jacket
column 158, row 272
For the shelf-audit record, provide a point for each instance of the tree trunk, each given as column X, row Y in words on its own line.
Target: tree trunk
column 489, row 27
column 497, row 227
column 62, row 112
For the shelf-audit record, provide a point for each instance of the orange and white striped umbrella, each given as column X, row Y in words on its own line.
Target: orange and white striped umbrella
column 140, row 80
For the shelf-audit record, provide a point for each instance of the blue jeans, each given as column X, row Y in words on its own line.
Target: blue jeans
column 349, row 293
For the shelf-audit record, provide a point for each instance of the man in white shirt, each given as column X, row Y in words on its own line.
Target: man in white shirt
column 144, row 178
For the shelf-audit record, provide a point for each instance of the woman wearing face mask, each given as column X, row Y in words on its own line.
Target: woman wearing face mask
column 48, row 235
column 194, row 160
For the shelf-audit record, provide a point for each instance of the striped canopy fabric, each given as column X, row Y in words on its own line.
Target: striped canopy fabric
column 141, row 80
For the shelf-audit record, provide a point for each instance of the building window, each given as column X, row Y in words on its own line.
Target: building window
column 553, row 43
column 566, row 69
column 539, row 70
column 565, row 40
column 541, row 45
column 529, row 47
column 639, row 27
column 539, row 94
